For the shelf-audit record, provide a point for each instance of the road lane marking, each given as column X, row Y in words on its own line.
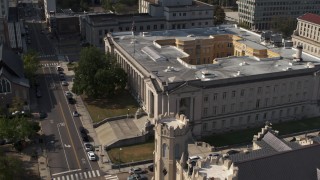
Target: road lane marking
column 64, row 151
column 80, row 174
column 71, row 175
column 62, row 177
column 98, row 172
column 89, row 173
column 65, row 120
column 76, row 176
column 64, row 172
column 85, row 175
column 67, row 177
column 93, row 174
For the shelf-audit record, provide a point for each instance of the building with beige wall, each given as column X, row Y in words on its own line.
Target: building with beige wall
column 258, row 82
column 307, row 33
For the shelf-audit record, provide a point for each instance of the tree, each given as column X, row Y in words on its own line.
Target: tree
column 97, row 74
column 11, row 168
column 283, row 25
column 107, row 5
column 84, row 5
column 119, row 8
column 218, row 15
column 31, row 65
column 17, row 128
column 16, row 105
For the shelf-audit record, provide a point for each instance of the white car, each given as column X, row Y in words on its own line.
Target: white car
column 75, row 114
column 64, row 83
column 91, row 156
column 68, row 94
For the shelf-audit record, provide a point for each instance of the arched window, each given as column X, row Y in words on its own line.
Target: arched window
column 164, row 150
column 177, row 151
column 5, row 86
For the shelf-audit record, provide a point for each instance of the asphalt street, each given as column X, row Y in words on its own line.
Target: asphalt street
column 62, row 143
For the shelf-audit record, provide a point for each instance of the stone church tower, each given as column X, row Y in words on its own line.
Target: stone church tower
column 171, row 144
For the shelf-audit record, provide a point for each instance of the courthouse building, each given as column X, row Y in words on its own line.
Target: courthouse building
column 221, row 78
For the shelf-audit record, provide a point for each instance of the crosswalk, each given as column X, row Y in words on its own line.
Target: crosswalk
column 49, row 64
column 78, row 175
column 46, row 55
column 111, row 177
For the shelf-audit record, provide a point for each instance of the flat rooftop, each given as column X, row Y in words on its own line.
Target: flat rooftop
column 165, row 61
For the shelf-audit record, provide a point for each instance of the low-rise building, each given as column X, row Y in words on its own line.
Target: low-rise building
column 307, row 33
column 221, row 78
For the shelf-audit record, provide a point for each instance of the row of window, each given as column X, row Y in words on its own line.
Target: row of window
column 141, row 28
column 260, row 90
column 271, row 116
column 309, row 48
column 259, row 103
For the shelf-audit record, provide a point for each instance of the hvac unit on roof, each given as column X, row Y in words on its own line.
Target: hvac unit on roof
column 243, row 63
column 191, row 35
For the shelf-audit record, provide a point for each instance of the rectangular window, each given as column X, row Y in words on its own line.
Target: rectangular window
column 232, row 107
column 223, row 123
column 204, row 126
column 248, row 119
column 242, row 92
column 223, row 109
column 266, row 102
column 214, row 110
column 215, row 96
column 240, row 120
column 205, row 111
column 233, row 94
column 258, row 103
column 155, row 26
column 205, row 99
column 214, row 124
column 273, row 114
column 280, row 113
column 264, row 116
column 100, row 32
column 257, row 117
column 302, row 109
column 224, row 96
column 259, row 90
column 231, row 121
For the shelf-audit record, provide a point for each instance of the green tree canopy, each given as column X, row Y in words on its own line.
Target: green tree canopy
column 11, row 168
column 17, row 128
column 31, row 64
column 97, row 74
column 218, row 15
column 283, row 25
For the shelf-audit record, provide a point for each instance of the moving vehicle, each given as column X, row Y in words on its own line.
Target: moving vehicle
column 64, row 83
column 88, row 146
column 137, row 176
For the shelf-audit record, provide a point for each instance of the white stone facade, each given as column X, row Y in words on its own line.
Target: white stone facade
column 307, row 34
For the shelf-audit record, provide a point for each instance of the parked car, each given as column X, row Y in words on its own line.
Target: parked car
column 83, row 130
column 91, row 156
column 75, row 114
column 71, row 101
column 88, row 146
column 137, row 176
column 62, row 78
column 151, row 167
column 214, row 155
column 194, row 158
column 85, row 137
column 42, row 115
column 64, row 83
column 68, row 94
column 136, row 170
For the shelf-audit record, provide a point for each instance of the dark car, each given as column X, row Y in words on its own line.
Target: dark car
column 71, row 101
column 85, row 137
column 150, row 167
column 83, row 130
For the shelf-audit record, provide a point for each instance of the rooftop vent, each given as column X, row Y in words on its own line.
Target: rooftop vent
column 191, row 35
column 238, row 74
column 243, row 63
column 288, row 69
column 310, row 65
column 170, row 69
column 153, row 54
column 288, row 44
column 145, row 34
column 207, row 75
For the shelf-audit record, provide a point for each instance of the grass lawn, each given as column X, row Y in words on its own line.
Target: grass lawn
column 118, row 105
column 244, row 136
column 132, row 153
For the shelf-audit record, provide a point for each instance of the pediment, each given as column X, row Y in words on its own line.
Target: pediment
column 185, row 88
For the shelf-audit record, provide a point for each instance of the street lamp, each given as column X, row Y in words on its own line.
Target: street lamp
column 119, row 158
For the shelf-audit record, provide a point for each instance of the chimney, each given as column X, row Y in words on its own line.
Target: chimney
column 299, row 53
